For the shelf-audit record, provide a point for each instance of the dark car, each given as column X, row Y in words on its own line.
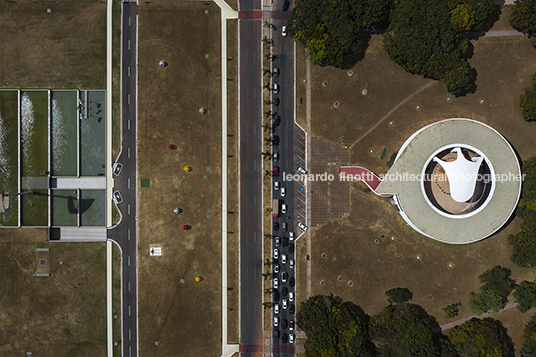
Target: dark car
column 285, row 6
column 275, row 140
column 276, row 102
column 285, row 291
column 276, row 295
column 290, row 247
column 276, row 171
column 276, row 226
column 292, row 309
column 284, row 241
column 285, row 338
column 284, row 323
column 276, row 118
column 275, row 73
column 276, row 333
column 291, row 282
column 284, row 226
column 275, row 156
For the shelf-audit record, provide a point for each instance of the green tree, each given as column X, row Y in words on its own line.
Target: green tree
column 525, row 294
column 462, row 16
column 398, row 295
column 401, row 331
column 527, row 101
column 529, row 336
column 486, row 337
column 494, row 293
column 523, row 16
column 452, row 310
column 333, row 328
column 458, row 80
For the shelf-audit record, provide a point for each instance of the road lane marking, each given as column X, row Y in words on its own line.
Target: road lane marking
column 129, row 99
column 128, row 234
column 129, row 124
column 130, row 351
column 128, row 310
column 130, row 334
column 129, row 152
column 129, row 21
column 129, row 260
column 129, row 71
column 129, row 44
column 129, row 286
column 129, row 209
column 129, row 183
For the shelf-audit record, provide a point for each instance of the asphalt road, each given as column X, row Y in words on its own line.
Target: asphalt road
column 251, row 171
column 125, row 233
column 283, row 51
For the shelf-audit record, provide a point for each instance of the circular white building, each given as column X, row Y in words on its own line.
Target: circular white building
column 457, row 181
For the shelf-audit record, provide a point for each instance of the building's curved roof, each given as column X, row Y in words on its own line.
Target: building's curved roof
column 415, row 153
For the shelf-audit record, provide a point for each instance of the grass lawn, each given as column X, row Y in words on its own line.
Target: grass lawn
column 184, row 317
column 384, row 118
column 62, row 49
column 60, row 315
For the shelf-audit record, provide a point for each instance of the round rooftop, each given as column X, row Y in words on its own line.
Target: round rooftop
column 456, row 181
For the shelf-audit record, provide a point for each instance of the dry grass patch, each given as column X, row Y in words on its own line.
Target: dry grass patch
column 62, row 49
column 56, row 315
column 169, row 100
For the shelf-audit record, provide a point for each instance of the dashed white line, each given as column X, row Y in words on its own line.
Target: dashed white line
column 130, row 351
column 128, row 124
column 129, row 209
column 129, row 286
column 128, row 234
column 129, row 71
column 129, row 99
column 129, row 183
column 130, row 334
column 128, row 310
column 129, row 152
column 129, row 44
column 129, row 21
column 129, row 262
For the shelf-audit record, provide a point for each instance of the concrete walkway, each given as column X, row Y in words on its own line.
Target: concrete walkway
column 227, row 13
column 308, row 163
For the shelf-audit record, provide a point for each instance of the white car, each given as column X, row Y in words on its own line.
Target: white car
column 291, row 263
column 276, row 308
column 302, row 226
column 291, row 338
column 291, row 235
column 302, row 170
column 276, row 320
column 276, row 185
column 276, row 253
column 283, row 258
column 284, row 304
column 284, row 31
column 276, row 88
column 283, row 191
column 283, row 206
column 276, row 269
column 291, row 296
column 284, row 276
column 276, row 283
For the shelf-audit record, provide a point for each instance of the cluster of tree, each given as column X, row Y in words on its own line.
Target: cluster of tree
column 494, row 293
column 398, row 295
column 523, row 16
column 529, row 335
column 527, row 101
column 335, row 328
column 424, row 37
column 524, row 242
column 331, row 30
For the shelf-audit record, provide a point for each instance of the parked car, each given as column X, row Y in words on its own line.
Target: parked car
column 291, row 235
column 291, row 296
column 284, row 323
column 276, row 88
column 275, row 156
column 283, row 208
column 284, row 31
column 291, row 263
column 291, row 325
column 302, row 226
column 302, row 170
column 276, row 333
column 284, row 339
column 284, row 226
column 284, row 276
column 276, row 185
column 291, row 338
column 276, row 120
column 276, row 320
column 276, row 268
column 283, row 258
column 275, row 140
column 276, row 226
column 276, row 171
column 285, row 6
column 275, row 73
column 291, row 281
column 276, row 102
column 283, row 191
column 276, row 283
column 284, row 304
column 291, row 248
column 276, row 308
column 277, row 241
column 284, row 242
column 284, row 292
column 276, row 253
column 276, row 295
column 292, row 309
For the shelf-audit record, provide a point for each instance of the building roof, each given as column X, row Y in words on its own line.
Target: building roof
column 414, row 155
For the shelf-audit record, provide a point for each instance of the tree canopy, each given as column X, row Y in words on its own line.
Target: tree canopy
column 330, row 30
column 524, row 242
column 525, row 294
column 494, row 293
column 401, row 331
column 398, row 295
column 523, row 16
column 527, row 101
column 333, row 328
column 486, row 337
column 529, row 336
column 422, row 39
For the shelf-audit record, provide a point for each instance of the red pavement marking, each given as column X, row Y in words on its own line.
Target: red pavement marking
column 250, row 348
column 360, row 173
column 250, row 15
column 283, row 349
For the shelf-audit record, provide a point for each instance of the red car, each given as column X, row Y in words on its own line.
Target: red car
column 284, row 226
column 276, row 170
